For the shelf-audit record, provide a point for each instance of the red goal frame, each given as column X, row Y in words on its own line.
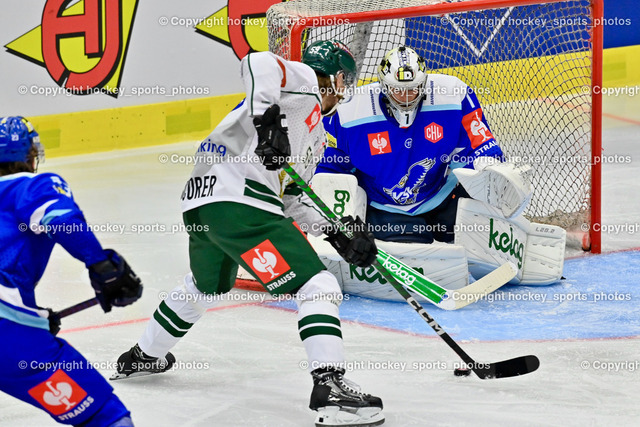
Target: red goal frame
column 591, row 240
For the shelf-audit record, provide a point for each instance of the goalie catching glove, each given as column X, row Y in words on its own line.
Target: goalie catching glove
column 273, row 142
column 114, row 282
column 360, row 249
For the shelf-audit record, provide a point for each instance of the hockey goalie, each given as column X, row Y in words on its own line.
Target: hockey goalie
column 413, row 154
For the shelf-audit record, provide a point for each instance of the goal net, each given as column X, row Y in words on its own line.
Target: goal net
column 532, row 65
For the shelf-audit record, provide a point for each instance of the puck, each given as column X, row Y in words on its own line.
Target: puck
column 462, row 372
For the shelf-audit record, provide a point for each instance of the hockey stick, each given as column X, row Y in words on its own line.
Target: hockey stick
column 77, row 307
column 443, row 298
column 503, row 369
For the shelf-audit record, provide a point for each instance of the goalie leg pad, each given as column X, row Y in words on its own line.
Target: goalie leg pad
column 544, row 255
column 491, row 240
column 341, row 193
column 445, row 264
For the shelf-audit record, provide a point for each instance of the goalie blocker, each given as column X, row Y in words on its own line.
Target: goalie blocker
column 484, row 240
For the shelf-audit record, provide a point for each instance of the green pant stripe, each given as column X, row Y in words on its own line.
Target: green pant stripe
column 235, row 228
column 171, row 315
column 320, row 330
column 260, row 188
column 318, row 318
column 274, row 201
column 168, row 326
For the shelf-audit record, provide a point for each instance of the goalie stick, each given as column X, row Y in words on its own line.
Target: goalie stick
column 503, row 369
column 410, row 278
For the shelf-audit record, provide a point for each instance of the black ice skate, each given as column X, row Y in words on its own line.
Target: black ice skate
column 339, row 402
column 135, row 363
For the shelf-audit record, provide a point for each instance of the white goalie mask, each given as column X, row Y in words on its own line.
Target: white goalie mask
column 402, row 75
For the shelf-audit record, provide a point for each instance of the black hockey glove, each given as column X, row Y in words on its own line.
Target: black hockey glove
column 114, row 282
column 273, row 143
column 361, row 249
column 54, row 322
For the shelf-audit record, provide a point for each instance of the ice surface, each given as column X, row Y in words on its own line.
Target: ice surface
column 241, row 364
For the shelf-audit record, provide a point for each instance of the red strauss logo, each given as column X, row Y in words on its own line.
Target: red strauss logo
column 97, row 62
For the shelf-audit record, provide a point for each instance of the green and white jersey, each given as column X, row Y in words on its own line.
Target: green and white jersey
column 227, row 168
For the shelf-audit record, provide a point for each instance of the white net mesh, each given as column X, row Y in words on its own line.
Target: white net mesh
column 530, row 67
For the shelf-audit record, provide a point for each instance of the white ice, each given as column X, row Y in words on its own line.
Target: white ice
column 241, row 363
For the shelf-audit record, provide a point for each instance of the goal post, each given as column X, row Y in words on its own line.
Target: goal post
column 533, row 65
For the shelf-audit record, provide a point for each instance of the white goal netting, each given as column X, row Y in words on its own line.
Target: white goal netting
column 530, row 66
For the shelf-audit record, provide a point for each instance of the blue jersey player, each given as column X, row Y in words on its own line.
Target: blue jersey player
column 38, row 211
column 400, row 137
column 414, row 154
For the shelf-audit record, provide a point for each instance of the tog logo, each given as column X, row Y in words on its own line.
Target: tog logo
column 379, row 143
column 266, row 262
column 58, row 394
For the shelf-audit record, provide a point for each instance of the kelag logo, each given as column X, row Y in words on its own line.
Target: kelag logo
column 241, row 24
column 83, row 46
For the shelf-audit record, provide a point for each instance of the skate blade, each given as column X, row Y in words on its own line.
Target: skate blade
column 118, row 376
column 332, row 416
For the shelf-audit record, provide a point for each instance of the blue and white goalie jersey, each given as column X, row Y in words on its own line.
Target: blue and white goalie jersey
column 408, row 170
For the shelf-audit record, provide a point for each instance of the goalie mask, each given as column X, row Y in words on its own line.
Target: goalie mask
column 402, row 75
column 333, row 59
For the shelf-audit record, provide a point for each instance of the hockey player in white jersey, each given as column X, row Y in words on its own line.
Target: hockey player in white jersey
column 240, row 206
column 397, row 154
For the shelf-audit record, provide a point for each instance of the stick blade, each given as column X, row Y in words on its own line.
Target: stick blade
column 509, row 368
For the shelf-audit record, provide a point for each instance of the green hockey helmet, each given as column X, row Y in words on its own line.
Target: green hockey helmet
column 331, row 57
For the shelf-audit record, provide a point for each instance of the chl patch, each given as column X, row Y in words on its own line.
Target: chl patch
column 59, row 394
column 379, row 143
column 433, row 132
column 477, row 131
column 314, row 118
column 266, row 262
